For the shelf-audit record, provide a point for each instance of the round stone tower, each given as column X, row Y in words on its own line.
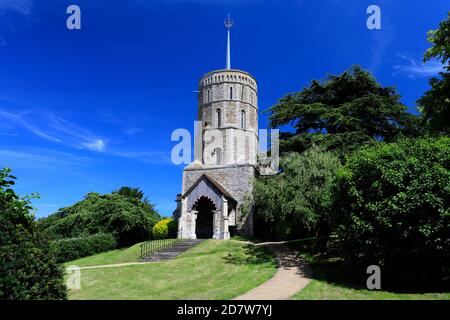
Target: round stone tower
column 228, row 108
column 216, row 184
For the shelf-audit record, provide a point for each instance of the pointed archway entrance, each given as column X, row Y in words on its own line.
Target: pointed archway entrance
column 204, row 227
column 206, row 207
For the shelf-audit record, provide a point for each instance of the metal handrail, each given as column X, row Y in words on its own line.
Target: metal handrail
column 152, row 246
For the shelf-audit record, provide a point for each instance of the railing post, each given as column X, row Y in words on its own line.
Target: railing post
column 151, row 246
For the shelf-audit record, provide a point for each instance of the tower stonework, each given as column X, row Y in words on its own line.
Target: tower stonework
column 216, row 184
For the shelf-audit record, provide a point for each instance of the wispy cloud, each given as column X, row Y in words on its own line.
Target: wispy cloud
column 10, row 25
column 413, row 69
column 96, row 145
column 40, row 156
column 22, row 7
column 54, row 128
column 20, row 120
column 59, row 130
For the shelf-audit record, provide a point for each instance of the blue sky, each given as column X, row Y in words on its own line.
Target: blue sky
column 93, row 109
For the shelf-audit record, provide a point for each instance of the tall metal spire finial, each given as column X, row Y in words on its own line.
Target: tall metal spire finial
column 228, row 25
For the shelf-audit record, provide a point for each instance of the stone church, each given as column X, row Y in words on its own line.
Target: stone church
column 216, row 184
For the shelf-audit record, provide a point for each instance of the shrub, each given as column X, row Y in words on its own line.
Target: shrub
column 74, row 248
column 165, row 229
column 392, row 201
column 28, row 269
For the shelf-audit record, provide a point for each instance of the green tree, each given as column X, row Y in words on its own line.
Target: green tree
column 128, row 217
column 342, row 113
column 300, row 192
column 28, row 270
column 392, row 202
column 132, row 193
column 435, row 103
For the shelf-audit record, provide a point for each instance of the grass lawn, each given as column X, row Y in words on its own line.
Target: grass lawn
column 130, row 254
column 212, row 270
column 333, row 282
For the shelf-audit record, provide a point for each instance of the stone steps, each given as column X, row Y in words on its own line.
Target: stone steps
column 171, row 251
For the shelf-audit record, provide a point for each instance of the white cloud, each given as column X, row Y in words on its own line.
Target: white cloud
column 413, row 69
column 96, row 145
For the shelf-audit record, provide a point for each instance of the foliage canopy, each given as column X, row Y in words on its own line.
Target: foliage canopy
column 28, row 269
column 342, row 113
column 301, row 192
column 123, row 214
column 393, row 206
column 435, row 103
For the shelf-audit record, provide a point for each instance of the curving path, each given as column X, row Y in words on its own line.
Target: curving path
column 292, row 276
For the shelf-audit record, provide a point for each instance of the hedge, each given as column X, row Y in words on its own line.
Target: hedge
column 75, row 248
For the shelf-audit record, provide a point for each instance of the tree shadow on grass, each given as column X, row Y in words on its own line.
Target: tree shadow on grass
column 332, row 268
column 250, row 254
column 329, row 266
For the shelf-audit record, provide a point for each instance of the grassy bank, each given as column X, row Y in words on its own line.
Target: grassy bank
column 211, row 270
column 130, row 254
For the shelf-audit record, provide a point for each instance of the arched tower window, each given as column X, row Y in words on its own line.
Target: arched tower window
column 243, row 120
column 231, row 93
column 209, row 96
column 218, row 153
column 219, row 118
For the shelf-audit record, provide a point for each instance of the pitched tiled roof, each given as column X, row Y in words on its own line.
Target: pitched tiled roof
column 213, row 182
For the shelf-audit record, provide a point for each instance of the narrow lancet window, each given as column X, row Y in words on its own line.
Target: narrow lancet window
column 219, row 118
column 218, row 153
column 243, row 120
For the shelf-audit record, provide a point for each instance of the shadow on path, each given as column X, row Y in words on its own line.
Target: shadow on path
column 293, row 275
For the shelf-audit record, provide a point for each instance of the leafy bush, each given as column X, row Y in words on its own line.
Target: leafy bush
column 123, row 213
column 74, row 248
column 392, row 201
column 165, row 229
column 28, row 269
column 299, row 197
